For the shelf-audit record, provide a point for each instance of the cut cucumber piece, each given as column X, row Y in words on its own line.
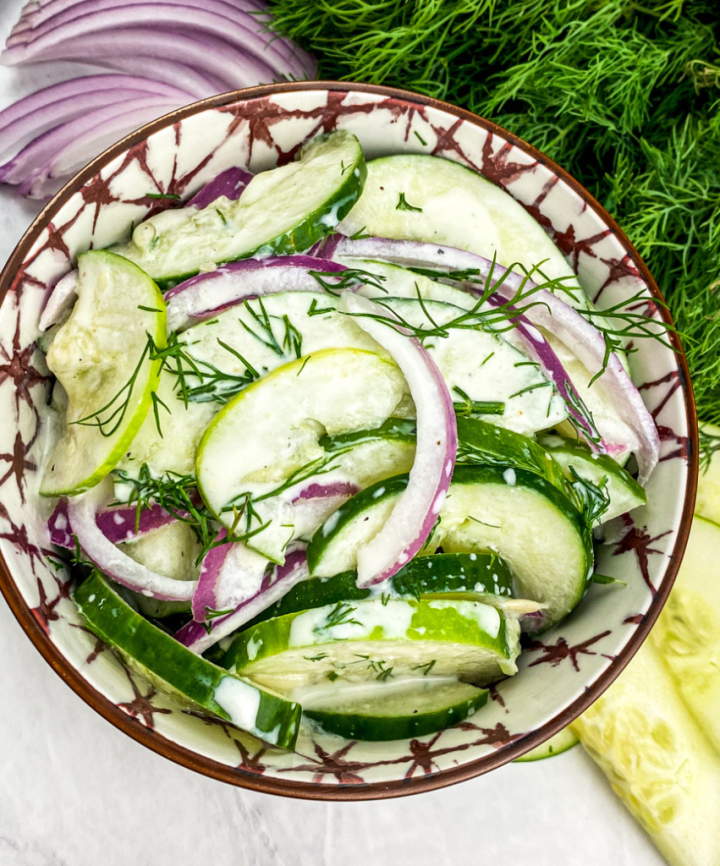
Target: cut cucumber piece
column 687, row 634
column 426, row 198
column 266, row 439
column 394, row 711
column 378, row 640
column 486, row 376
column 561, row 742
column 488, row 445
column 170, row 551
column 707, row 503
column 398, row 429
column 334, row 546
column 247, row 341
column 657, row 760
column 101, row 356
column 281, row 212
column 178, row 672
column 470, row 576
column 624, row 491
column 534, row 527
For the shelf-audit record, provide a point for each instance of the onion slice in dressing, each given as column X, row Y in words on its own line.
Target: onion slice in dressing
column 416, row 511
column 82, row 513
column 118, row 524
column 542, row 309
column 206, row 295
column 201, row 636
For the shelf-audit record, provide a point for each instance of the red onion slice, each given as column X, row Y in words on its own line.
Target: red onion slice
column 82, row 514
column 547, row 311
column 61, row 299
column 44, row 182
column 118, row 524
column 198, row 84
column 416, row 511
column 271, row 52
column 207, row 54
column 205, row 594
column 52, row 15
column 199, row 636
column 206, row 295
column 230, row 183
column 49, row 145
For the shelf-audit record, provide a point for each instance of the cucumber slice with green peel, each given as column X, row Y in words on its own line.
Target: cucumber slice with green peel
column 534, row 527
column 178, row 672
column 265, row 441
column 427, row 198
column 334, row 546
column 281, row 212
column 707, row 503
column 378, row 640
column 657, row 760
column 472, row 576
column 687, row 633
column 102, row 358
column 171, row 551
column 563, row 741
column 486, row 444
column 624, row 491
column 394, row 711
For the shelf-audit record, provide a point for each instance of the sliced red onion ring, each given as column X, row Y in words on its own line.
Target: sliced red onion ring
column 49, row 145
column 209, row 55
column 199, row 636
column 274, row 54
column 205, row 594
column 51, row 16
column 45, row 181
column 415, row 513
column 206, row 295
column 230, row 183
column 82, row 514
column 119, row 524
column 547, row 311
column 20, row 133
column 200, row 84
column 61, row 299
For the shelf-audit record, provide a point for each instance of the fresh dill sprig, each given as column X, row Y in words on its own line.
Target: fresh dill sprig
column 623, row 95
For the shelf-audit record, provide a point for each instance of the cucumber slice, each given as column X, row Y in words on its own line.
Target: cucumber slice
column 101, row 356
column 395, row 711
column 470, row 576
column 624, row 491
column 397, row 429
column 534, row 527
column 334, row 546
column 281, row 212
column 426, row 198
column 707, row 503
column 488, row 445
column 378, row 640
column 561, row 742
column 265, row 441
column 486, row 376
column 263, row 335
column 657, row 760
column 170, row 551
column 687, row 634
column 176, row 671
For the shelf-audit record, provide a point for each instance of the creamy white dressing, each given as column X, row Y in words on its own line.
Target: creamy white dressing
column 240, row 700
column 394, row 620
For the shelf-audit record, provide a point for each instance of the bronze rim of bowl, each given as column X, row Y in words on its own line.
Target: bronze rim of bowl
column 370, row 791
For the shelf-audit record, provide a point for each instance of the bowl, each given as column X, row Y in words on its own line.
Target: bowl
column 562, row 671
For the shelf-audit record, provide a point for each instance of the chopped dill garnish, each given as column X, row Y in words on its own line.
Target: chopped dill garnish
column 404, row 204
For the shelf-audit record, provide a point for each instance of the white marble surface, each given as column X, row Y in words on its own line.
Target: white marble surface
column 74, row 791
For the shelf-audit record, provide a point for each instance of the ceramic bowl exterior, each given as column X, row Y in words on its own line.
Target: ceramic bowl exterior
column 562, row 671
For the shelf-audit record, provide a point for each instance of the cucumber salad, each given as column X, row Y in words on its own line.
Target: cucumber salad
column 327, row 441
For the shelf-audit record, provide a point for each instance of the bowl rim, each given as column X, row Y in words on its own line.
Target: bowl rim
column 373, row 790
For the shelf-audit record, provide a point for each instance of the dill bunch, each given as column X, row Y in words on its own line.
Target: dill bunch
column 625, row 95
